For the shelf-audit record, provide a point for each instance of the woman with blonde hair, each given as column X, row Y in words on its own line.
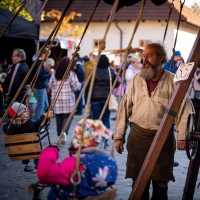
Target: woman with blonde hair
column 133, row 68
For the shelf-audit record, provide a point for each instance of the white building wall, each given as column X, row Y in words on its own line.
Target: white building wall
column 186, row 38
column 147, row 30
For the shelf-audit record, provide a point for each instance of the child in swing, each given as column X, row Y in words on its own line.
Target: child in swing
column 98, row 170
column 20, row 123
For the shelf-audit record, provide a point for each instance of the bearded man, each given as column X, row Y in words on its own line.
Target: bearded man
column 144, row 105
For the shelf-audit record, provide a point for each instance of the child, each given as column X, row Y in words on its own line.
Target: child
column 98, row 170
column 32, row 103
column 21, row 123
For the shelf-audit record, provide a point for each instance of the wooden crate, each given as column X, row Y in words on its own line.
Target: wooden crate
column 23, row 146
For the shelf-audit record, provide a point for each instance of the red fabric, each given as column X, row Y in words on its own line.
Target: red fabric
column 49, row 171
column 70, row 44
column 12, row 113
column 151, row 85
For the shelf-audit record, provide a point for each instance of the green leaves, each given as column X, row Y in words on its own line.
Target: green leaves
column 13, row 4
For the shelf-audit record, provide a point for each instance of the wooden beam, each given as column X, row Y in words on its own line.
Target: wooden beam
column 165, row 126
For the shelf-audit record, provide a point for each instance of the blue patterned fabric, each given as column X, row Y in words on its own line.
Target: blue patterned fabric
column 100, row 173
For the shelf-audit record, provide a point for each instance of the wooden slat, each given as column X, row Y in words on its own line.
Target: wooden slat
column 28, row 148
column 14, row 150
column 20, row 138
column 24, row 157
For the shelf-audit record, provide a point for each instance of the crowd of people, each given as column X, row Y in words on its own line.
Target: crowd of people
column 143, row 98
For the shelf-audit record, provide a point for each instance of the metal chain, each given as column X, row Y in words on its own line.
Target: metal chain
column 173, row 50
column 171, row 7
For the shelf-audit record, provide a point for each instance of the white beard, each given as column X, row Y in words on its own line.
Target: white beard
column 149, row 72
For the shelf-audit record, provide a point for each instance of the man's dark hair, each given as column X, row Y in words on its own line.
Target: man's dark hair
column 160, row 50
column 61, row 68
column 103, row 62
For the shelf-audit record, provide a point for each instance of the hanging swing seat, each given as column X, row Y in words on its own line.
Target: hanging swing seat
column 27, row 145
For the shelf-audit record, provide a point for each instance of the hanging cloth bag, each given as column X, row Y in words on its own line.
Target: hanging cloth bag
column 112, row 104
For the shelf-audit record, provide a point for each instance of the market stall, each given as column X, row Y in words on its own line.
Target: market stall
column 20, row 34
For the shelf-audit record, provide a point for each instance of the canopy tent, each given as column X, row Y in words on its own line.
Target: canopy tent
column 20, row 34
column 58, row 47
column 20, row 28
column 33, row 7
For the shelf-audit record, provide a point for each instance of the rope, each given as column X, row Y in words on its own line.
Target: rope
column 44, row 4
column 101, row 47
column 74, row 54
column 85, row 85
column 173, row 50
column 74, row 108
column 15, row 15
column 171, row 7
column 51, row 44
column 71, row 62
column 33, row 65
column 128, row 50
column 80, row 95
column 33, row 82
column 40, row 67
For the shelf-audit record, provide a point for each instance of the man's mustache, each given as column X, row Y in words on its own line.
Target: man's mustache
column 148, row 63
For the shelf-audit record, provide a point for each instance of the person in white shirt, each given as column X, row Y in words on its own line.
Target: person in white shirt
column 133, row 68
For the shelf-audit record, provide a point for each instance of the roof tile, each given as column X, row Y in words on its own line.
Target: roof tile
column 151, row 12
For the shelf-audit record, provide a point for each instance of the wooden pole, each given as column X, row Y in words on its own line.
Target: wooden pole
column 165, row 126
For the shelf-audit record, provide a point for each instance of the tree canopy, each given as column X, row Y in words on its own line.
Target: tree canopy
column 66, row 28
column 12, row 5
column 196, row 7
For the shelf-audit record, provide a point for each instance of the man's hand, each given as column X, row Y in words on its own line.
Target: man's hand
column 119, row 146
column 181, row 145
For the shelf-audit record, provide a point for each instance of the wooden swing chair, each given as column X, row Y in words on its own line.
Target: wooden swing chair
column 110, row 194
column 27, row 145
